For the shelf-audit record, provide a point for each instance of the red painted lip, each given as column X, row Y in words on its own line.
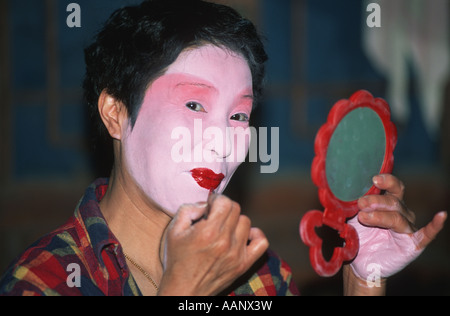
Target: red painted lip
column 206, row 178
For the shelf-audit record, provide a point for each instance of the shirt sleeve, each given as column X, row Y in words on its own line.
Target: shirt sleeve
column 12, row 285
column 272, row 278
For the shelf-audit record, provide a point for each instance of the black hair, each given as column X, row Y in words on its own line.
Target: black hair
column 138, row 43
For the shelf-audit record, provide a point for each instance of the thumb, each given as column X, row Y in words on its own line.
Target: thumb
column 426, row 235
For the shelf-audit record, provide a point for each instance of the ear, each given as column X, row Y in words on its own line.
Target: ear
column 113, row 114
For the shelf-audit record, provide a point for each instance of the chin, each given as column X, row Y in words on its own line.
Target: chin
column 187, row 197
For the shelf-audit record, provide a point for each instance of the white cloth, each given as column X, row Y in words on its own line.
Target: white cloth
column 412, row 33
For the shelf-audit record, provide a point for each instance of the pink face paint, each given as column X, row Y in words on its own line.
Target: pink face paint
column 208, row 85
column 192, row 90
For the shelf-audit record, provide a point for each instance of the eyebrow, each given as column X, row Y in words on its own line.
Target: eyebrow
column 196, row 84
column 210, row 87
column 248, row 96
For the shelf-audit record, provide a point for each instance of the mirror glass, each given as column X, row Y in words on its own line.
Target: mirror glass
column 355, row 154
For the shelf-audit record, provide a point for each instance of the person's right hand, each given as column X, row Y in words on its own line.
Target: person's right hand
column 204, row 257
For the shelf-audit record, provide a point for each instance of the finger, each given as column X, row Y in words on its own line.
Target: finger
column 224, row 215
column 243, row 230
column 391, row 184
column 220, row 208
column 258, row 244
column 188, row 214
column 387, row 220
column 162, row 246
column 380, row 203
column 233, row 219
column 371, row 203
column 427, row 234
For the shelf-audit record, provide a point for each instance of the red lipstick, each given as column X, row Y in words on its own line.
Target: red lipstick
column 206, row 178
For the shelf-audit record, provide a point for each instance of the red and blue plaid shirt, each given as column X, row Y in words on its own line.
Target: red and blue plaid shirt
column 85, row 242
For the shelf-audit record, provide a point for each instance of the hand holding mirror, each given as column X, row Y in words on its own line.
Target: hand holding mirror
column 354, row 145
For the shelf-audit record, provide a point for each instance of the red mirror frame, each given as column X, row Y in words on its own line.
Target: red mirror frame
column 336, row 211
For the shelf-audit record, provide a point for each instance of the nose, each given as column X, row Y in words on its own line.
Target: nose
column 217, row 140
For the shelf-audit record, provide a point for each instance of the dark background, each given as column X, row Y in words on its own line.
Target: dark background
column 316, row 58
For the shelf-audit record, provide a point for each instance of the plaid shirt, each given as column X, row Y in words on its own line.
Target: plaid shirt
column 86, row 246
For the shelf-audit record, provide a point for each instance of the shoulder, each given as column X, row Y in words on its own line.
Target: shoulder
column 271, row 276
column 42, row 269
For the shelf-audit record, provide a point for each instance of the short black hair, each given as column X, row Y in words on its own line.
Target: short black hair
column 138, row 43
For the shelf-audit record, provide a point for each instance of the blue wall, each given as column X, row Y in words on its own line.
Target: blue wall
column 334, row 56
column 332, row 47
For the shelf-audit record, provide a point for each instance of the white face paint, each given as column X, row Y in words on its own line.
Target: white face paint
column 207, row 85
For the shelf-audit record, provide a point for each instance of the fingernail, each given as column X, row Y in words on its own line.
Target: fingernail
column 200, row 204
column 364, row 202
column 443, row 214
column 366, row 215
column 377, row 180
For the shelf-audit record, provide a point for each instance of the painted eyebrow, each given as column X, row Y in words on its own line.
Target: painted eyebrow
column 248, row 96
column 196, row 84
column 209, row 87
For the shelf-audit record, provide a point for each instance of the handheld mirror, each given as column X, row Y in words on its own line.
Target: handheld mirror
column 354, row 145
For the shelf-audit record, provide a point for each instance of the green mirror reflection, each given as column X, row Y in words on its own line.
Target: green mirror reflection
column 355, row 154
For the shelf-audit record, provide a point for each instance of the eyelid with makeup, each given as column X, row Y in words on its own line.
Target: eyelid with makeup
column 246, row 108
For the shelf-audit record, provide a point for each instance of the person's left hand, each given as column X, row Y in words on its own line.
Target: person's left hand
column 387, row 237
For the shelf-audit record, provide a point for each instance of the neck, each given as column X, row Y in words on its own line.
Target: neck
column 136, row 223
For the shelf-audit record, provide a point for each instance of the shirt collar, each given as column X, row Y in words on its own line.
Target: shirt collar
column 98, row 233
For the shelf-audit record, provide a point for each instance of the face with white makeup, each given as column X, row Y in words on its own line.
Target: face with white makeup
column 205, row 83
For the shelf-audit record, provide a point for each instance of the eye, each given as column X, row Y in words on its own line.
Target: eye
column 241, row 117
column 196, row 107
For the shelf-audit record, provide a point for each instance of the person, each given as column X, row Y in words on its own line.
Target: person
column 160, row 225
